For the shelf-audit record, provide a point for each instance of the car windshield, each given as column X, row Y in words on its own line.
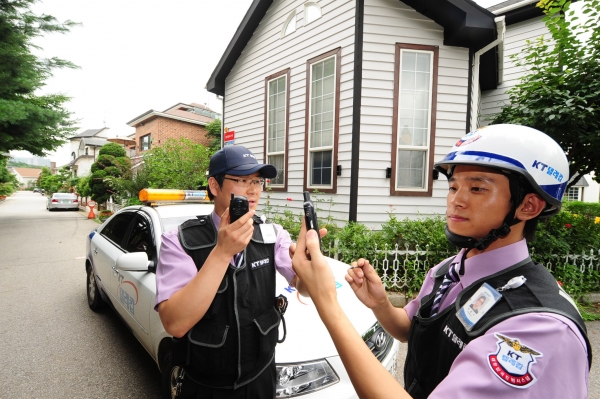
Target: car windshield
column 63, row 196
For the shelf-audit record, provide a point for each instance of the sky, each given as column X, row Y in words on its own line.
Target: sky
column 137, row 55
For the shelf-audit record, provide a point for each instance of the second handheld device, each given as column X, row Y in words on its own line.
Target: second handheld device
column 310, row 216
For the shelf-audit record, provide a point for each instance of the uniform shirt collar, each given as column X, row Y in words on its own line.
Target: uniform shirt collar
column 216, row 219
column 488, row 263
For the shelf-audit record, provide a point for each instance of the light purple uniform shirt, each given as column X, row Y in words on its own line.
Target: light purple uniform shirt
column 561, row 371
column 176, row 268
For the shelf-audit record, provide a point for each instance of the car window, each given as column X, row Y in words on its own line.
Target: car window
column 64, row 196
column 117, row 227
column 140, row 239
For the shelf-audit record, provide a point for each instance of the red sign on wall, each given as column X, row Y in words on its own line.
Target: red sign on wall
column 229, row 136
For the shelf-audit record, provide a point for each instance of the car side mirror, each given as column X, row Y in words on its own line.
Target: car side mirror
column 133, row 262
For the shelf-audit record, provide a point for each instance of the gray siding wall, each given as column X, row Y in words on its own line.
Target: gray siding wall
column 388, row 22
column 515, row 40
column 268, row 53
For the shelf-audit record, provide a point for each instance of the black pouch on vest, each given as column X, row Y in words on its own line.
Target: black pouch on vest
column 179, row 351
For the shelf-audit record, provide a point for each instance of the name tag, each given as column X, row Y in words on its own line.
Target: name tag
column 478, row 305
column 268, row 233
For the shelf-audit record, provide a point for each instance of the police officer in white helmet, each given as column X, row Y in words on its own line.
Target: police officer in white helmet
column 526, row 338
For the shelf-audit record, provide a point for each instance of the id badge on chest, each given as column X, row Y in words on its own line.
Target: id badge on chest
column 478, row 305
column 483, row 300
column 268, row 233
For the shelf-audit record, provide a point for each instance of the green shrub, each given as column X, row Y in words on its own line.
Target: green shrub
column 356, row 241
column 590, row 209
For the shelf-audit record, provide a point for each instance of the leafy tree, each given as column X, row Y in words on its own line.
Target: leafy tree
column 214, row 133
column 178, row 164
column 8, row 181
column 561, row 93
column 58, row 182
column 111, row 162
column 127, row 189
column 29, row 121
column 83, row 186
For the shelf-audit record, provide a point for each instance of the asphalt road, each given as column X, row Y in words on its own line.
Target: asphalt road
column 51, row 344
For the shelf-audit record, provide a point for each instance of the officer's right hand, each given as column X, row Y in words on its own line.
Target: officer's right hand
column 234, row 237
column 366, row 284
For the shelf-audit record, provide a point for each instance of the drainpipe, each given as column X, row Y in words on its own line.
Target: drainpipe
column 475, row 90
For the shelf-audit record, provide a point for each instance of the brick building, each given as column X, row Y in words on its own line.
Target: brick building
column 182, row 120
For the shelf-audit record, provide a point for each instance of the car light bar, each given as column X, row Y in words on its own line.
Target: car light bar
column 166, row 195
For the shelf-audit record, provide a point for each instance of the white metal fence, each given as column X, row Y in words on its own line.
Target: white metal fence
column 399, row 268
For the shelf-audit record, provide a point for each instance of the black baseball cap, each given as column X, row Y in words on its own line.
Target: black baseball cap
column 237, row 160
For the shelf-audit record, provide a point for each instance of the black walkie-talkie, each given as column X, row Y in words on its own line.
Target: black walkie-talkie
column 238, row 206
column 310, row 216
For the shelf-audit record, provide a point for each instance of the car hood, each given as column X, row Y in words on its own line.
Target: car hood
column 307, row 338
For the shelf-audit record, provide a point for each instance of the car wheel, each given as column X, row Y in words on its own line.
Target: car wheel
column 169, row 375
column 95, row 301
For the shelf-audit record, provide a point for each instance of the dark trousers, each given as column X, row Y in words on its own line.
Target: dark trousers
column 263, row 387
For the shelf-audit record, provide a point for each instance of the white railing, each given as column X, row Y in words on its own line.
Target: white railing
column 398, row 267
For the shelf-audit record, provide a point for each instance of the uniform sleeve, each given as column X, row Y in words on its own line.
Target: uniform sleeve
column 283, row 262
column 175, row 268
column 536, row 355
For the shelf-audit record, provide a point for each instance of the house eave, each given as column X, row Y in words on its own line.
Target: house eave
column 152, row 114
column 465, row 23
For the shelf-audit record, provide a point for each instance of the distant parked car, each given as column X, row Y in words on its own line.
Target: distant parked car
column 62, row 201
column 42, row 191
column 36, row 190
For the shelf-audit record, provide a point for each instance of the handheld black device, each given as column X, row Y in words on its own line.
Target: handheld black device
column 238, row 206
column 310, row 216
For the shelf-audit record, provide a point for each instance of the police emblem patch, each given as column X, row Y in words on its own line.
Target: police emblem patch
column 513, row 361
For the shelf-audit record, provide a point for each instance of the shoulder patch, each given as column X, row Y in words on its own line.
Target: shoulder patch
column 513, row 362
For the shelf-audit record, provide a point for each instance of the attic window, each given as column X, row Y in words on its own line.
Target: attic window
column 290, row 24
column 312, row 12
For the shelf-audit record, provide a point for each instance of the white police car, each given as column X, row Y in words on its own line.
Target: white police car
column 120, row 264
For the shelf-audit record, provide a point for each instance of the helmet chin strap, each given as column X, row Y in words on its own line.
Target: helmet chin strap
column 469, row 242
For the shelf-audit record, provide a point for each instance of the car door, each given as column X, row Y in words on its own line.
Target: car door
column 136, row 290
column 106, row 247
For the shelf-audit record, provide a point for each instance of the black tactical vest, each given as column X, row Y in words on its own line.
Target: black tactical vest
column 434, row 342
column 235, row 340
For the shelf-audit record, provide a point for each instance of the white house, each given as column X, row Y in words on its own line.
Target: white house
column 358, row 98
column 27, row 177
column 84, row 150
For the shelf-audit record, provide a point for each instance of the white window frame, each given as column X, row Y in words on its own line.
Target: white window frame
column 285, row 76
column 310, row 150
column 288, row 20
column 307, row 5
column 422, row 148
column 568, row 196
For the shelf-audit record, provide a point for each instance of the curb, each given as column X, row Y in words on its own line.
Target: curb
column 591, row 298
column 397, row 299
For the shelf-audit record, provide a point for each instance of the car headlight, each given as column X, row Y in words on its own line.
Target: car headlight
column 302, row 378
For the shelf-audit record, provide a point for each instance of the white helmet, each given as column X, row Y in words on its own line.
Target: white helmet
column 515, row 149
